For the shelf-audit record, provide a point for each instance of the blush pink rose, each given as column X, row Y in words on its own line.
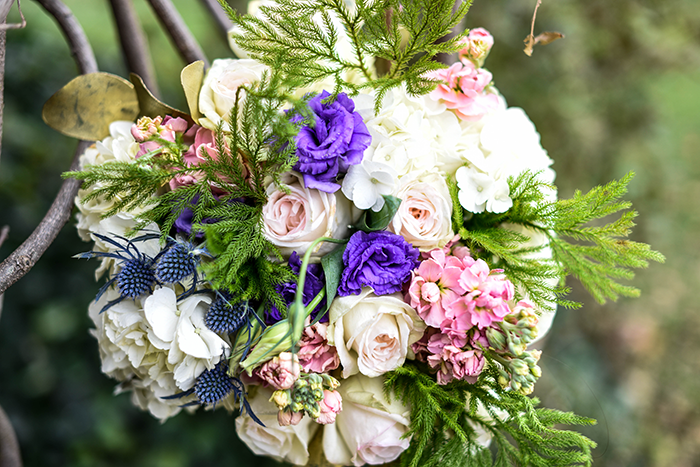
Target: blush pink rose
column 293, row 220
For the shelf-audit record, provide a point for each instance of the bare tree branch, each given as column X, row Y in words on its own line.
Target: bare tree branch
column 179, row 33
column 9, row 448
column 26, row 256
column 134, row 43
column 77, row 40
column 219, row 15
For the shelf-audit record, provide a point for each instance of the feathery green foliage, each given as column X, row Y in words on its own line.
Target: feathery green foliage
column 598, row 256
column 445, row 419
column 302, row 38
column 262, row 148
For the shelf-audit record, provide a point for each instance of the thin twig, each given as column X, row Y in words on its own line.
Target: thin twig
column 219, row 15
column 134, row 43
column 534, row 17
column 4, row 26
column 25, row 257
column 77, row 40
column 179, row 33
column 9, row 447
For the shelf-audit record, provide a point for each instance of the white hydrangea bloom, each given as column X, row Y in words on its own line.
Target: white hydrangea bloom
column 153, row 367
column 366, row 183
column 179, row 329
column 508, row 144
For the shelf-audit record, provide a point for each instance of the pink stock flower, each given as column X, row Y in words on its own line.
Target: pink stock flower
column 477, row 45
column 315, row 354
column 330, row 406
column 281, row 372
column 463, row 89
column 467, row 365
column 166, row 129
column 434, row 286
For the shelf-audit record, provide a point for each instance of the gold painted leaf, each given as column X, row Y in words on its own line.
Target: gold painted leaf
column 86, row 106
column 191, row 78
column 149, row 106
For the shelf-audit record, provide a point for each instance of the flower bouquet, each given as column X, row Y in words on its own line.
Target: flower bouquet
column 347, row 243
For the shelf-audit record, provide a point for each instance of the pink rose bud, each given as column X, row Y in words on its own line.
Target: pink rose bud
column 330, row 406
column 281, row 372
column 287, row 417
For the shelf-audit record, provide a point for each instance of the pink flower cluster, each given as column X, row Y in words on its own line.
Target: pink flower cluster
column 463, row 86
column 477, row 45
column 201, row 145
column 458, row 297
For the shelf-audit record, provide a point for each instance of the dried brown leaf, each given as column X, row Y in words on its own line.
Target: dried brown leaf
column 86, row 106
column 541, row 39
column 191, row 78
column 149, row 106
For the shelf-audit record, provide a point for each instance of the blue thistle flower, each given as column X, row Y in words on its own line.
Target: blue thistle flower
column 177, row 263
column 214, row 385
column 136, row 277
column 224, row 316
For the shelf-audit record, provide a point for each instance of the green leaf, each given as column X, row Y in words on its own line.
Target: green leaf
column 373, row 221
column 333, row 268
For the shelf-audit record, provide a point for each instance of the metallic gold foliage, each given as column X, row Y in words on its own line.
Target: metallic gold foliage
column 191, row 78
column 86, row 106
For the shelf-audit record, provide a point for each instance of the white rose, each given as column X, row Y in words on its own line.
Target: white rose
column 282, row 443
column 372, row 334
column 369, row 429
column 218, row 94
column 424, row 217
column 293, row 220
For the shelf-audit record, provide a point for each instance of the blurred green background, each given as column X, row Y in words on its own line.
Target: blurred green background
column 621, row 92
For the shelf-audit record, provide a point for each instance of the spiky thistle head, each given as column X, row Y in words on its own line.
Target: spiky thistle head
column 176, row 263
column 214, row 385
column 136, row 277
column 224, row 316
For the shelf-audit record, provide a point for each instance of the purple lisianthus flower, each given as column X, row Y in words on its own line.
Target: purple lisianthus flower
column 381, row 260
column 337, row 140
column 314, row 283
column 183, row 224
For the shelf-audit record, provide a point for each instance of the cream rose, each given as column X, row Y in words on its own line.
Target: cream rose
column 282, row 443
column 369, row 429
column 293, row 220
column 218, row 94
column 424, row 217
column 372, row 334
